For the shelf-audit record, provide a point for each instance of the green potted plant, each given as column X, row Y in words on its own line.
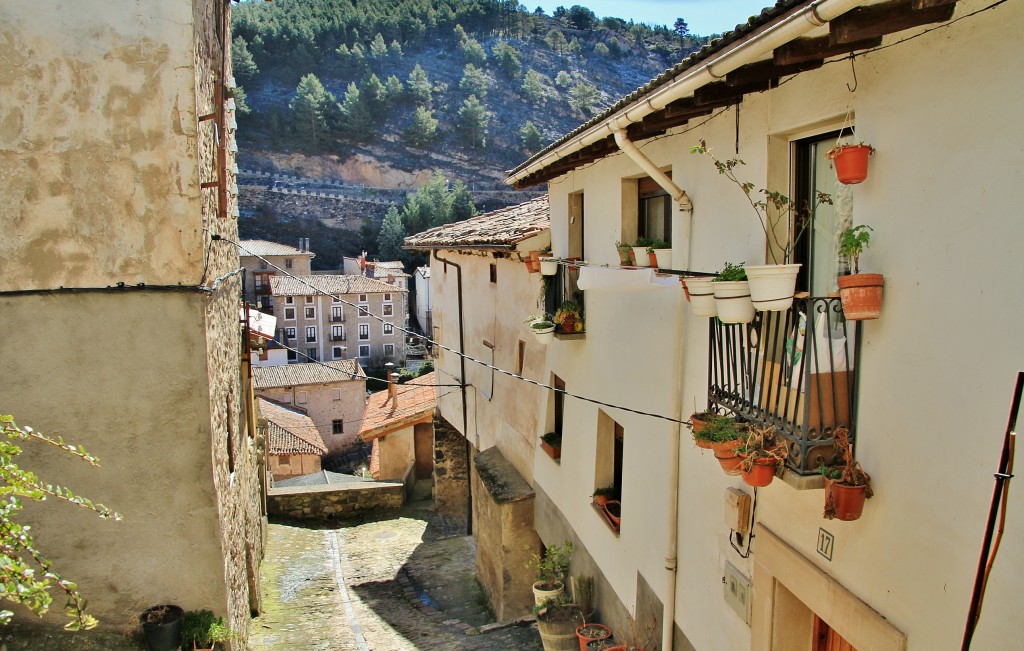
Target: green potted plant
column 846, row 485
column 723, row 435
column 640, row 257
column 761, row 456
column 567, row 318
column 661, row 253
column 861, row 294
column 698, row 420
column 850, row 161
column 603, row 494
column 623, row 250
column 542, row 327
column 201, row 631
column 552, row 567
column 552, row 444
column 732, row 295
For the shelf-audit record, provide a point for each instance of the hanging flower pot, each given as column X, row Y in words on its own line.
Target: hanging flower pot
column 702, row 296
column 732, row 301
column 851, row 162
column 861, row 295
column 549, row 266
column 544, row 331
column 772, row 286
column 847, row 502
column 761, row 471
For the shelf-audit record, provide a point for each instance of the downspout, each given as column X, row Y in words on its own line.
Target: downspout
column 465, row 403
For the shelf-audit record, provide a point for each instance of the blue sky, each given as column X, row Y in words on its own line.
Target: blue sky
column 703, row 16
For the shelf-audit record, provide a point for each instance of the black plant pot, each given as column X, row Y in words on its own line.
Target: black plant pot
column 162, row 627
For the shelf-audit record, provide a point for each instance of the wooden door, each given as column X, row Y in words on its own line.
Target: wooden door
column 826, row 639
column 423, row 435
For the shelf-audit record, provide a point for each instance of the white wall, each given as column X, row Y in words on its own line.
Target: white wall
column 943, row 196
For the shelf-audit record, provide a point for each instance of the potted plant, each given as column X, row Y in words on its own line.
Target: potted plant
column 603, row 494
column 732, row 295
column 542, row 327
column 640, row 257
column 851, row 162
column 861, row 294
column 698, row 420
column 567, row 318
column 549, row 266
column 701, row 294
column 551, row 566
column 201, row 631
column 587, row 633
column 552, row 444
column 772, row 286
column 557, row 621
column 162, row 627
column 723, row 435
column 623, row 250
column 846, row 485
column 660, row 253
column 613, row 508
column 761, row 456
column 583, row 594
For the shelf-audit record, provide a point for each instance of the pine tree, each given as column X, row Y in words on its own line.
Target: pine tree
column 356, row 121
column 374, row 96
column 507, row 59
column 473, row 121
column 393, row 90
column 378, row 48
column 562, row 79
column 474, row 81
column 391, row 237
column 531, row 137
column 602, row 50
column 396, row 49
column 242, row 63
column 422, row 131
column 419, row 86
column 582, row 97
column 533, row 87
column 556, row 41
column 309, row 107
column 474, row 52
column 574, row 46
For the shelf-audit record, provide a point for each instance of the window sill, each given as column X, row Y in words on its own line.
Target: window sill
column 604, row 518
column 803, row 482
column 570, row 337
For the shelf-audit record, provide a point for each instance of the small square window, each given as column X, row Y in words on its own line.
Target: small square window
column 387, row 298
column 389, row 350
column 310, row 312
column 364, row 351
column 336, row 351
column 335, row 299
column 287, row 263
column 337, row 426
column 292, row 356
column 389, row 329
column 289, row 300
column 263, row 264
column 362, row 298
column 309, row 299
column 289, row 313
column 389, row 310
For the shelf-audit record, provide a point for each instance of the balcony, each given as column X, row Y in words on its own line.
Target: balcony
column 795, row 370
column 561, row 288
column 338, row 338
column 335, row 318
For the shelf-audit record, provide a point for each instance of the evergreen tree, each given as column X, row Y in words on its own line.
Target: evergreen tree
column 681, row 29
column 474, row 52
column 396, row 49
column 507, row 59
column 562, row 79
column 242, row 63
column 533, row 87
column 556, row 41
column 309, row 108
column 374, row 96
column 358, row 56
column 392, row 234
column 602, row 50
column 356, row 121
column 422, row 131
column 474, row 81
column 582, row 97
column 393, row 90
column 419, row 86
column 473, row 121
column 574, row 46
column 531, row 137
column 378, row 48
column 241, row 106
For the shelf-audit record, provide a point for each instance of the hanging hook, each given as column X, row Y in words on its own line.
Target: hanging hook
column 854, row 69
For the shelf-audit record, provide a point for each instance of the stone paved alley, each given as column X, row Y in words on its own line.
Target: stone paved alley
column 389, row 582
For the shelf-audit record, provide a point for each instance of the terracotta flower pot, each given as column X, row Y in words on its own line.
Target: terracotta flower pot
column 553, row 452
column 652, row 257
column 761, row 472
column 590, row 632
column 728, row 460
column 851, row 162
column 847, row 501
column 861, row 295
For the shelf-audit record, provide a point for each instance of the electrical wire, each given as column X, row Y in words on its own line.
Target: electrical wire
column 339, row 299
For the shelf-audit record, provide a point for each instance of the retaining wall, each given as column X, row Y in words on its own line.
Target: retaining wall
column 334, row 502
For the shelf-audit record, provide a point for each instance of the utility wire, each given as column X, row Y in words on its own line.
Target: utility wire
column 339, row 299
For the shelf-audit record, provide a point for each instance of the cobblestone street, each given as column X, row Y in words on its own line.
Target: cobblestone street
column 393, row 582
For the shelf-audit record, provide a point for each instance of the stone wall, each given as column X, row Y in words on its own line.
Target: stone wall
column 334, row 502
column 451, row 479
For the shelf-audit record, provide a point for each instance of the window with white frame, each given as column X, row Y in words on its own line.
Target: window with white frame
column 310, row 312
column 289, row 333
column 309, row 300
column 364, row 331
column 310, row 333
column 389, row 329
column 289, row 313
column 337, row 333
column 389, row 310
column 387, row 297
column 364, row 351
column 389, row 350
column 335, row 299
column 289, row 300
column 338, row 352
column 337, row 314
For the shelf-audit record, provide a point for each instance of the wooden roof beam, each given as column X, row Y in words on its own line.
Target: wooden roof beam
column 761, row 71
column 887, row 18
column 803, row 50
column 720, row 94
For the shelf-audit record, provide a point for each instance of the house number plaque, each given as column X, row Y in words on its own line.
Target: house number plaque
column 826, row 542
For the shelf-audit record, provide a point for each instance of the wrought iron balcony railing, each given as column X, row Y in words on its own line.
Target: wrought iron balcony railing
column 795, row 370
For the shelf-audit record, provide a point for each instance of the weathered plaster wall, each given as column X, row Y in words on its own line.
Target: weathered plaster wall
column 98, row 145
column 322, row 407
column 451, row 472
column 397, row 453
column 298, row 465
column 334, row 502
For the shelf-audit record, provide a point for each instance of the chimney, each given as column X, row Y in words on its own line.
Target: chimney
column 301, row 242
column 392, row 386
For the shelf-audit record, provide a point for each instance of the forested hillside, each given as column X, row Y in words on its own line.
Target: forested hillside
column 390, row 93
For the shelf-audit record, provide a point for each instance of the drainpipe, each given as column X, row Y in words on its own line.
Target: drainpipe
column 465, row 399
column 794, row 26
column 638, row 157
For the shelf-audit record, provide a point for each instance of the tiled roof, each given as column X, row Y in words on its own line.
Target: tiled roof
column 289, row 431
column 502, row 228
column 393, row 264
column 766, row 16
column 416, row 399
column 301, row 285
column 263, row 247
column 290, row 375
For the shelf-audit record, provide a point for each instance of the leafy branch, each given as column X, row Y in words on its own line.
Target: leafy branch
column 19, row 581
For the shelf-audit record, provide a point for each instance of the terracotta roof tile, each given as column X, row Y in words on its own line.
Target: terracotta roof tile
column 502, row 228
column 289, row 431
column 320, row 284
column 290, row 375
column 416, row 399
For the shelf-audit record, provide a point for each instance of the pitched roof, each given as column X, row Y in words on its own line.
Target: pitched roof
column 264, row 248
column 314, row 285
column 322, row 478
column 289, row 431
column 290, row 375
column 498, row 229
column 416, row 399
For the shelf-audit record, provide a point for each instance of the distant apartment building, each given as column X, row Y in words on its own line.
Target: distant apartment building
column 259, row 257
column 329, row 318
column 333, row 395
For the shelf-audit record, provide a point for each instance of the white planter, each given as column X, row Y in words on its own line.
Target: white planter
column 544, row 335
column 732, row 301
column 640, row 256
column 540, row 596
column 549, row 266
column 772, row 286
column 702, row 296
column 664, row 257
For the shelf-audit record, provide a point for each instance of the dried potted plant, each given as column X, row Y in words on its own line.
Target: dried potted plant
column 623, row 250
column 861, row 293
column 761, row 456
column 846, row 485
column 851, row 162
column 552, row 567
column 732, row 295
column 162, row 627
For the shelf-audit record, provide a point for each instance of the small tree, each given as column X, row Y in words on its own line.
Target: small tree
column 556, row 41
column 242, row 63
column 474, row 81
column 563, row 80
column 422, row 131
column 378, row 48
column 533, row 87
column 419, row 86
column 508, row 60
column 473, row 121
column 582, row 97
column 395, row 48
column 19, row 580
column 602, row 50
column 392, row 233
column 531, row 137
column 474, row 52
column 309, row 109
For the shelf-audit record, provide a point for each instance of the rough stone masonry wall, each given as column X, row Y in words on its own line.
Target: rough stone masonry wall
column 451, row 476
column 334, row 502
